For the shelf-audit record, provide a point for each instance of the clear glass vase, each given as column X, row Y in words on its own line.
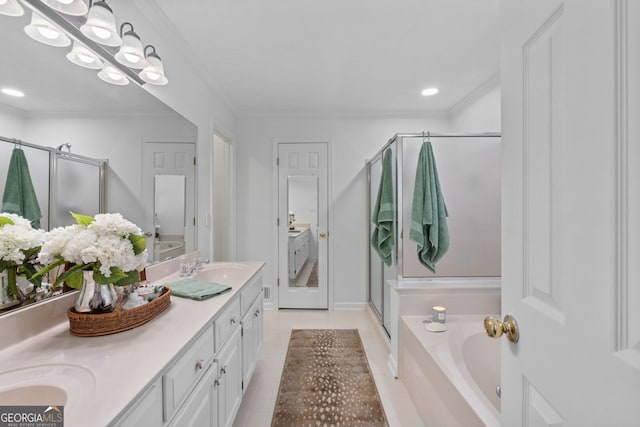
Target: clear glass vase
column 95, row 297
column 8, row 290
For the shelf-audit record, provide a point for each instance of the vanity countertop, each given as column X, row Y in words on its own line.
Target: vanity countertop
column 122, row 365
column 298, row 229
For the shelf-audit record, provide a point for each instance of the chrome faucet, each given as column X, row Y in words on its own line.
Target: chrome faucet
column 197, row 264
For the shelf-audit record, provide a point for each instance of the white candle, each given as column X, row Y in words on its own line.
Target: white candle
column 439, row 314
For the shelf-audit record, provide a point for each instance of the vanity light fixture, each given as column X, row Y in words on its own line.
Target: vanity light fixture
column 101, row 24
column 68, row 7
column 11, row 8
column 84, row 57
column 112, row 75
column 12, row 92
column 45, row 32
column 131, row 53
column 430, row 91
column 153, row 73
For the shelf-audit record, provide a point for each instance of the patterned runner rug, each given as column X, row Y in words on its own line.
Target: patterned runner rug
column 326, row 381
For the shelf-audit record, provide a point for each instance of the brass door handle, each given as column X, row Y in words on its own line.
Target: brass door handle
column 323, row 235
column 495, row 328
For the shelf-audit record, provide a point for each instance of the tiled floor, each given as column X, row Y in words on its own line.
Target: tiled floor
column 259, row 400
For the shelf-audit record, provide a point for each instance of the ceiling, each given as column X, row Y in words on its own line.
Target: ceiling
column 337, row 56
column 303, row 57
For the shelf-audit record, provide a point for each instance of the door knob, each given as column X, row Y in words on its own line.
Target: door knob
column 323, row 235
column 495, row 328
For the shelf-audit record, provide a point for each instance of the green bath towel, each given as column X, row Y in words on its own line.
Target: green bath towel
column 382, row 238
column 428, row 213
column 197, row 289
column 19, row 196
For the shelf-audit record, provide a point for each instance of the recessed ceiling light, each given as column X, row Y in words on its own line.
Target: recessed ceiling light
column 12, row 92
column 430, row 91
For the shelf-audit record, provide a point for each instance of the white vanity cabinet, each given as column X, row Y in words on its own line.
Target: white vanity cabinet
column 230, row 380
column 252, row 339
column 298, row 252
column 146, row 410
column 204, row 383
column 202, row 407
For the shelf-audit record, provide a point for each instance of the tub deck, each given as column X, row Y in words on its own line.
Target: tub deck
column 446, row 389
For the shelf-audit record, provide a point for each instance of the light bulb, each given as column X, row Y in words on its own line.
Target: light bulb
column 48, row 32
column 114, row 76
column 152, row 75
column 87, row 59
column 65, row 1
column 101, row 32
column 134, row 59
column 12, row 92
column 3, row 2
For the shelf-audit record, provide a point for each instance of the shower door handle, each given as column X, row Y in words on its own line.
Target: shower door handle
column 495, row 328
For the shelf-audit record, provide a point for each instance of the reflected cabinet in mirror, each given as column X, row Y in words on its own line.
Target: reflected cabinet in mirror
column 302, row 205
column 68, row 106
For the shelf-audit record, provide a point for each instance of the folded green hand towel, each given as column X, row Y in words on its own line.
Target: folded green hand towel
column 382, row 238
column 19, row 196
column 428, row 213
column 197, row 289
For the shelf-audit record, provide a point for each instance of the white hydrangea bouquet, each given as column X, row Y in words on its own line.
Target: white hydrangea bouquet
column 19, row 247
column 109, row 245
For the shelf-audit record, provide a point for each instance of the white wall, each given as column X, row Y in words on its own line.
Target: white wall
column 117, row 138
column 11, row 122
column 189, row 95
column 352, row 141
column 481, row 114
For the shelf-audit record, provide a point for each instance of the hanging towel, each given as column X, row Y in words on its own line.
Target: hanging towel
column 19, row 196
column 382, row 238
column 197, row 289
column 428, row 213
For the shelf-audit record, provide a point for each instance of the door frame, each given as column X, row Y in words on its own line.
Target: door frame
column 275, row 302
column 232, row 250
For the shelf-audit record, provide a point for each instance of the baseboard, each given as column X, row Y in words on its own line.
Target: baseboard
column 393, row 366
column 349, row 306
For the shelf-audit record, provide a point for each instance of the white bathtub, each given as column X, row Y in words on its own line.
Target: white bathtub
column 451, row 376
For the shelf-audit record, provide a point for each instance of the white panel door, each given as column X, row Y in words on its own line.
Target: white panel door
column 302, row 182
column 169, row 158
column 571, row 212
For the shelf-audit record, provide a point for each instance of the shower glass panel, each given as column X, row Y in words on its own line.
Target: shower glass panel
column 38, row 161
column 78, row 189
column 303, row 230
column 380, row 273
column 375, row 263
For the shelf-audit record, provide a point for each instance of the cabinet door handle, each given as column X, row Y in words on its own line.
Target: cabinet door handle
column 223, row 370
column 257, row 313
column 233, row 320
column 217, row 382
column 199, row 364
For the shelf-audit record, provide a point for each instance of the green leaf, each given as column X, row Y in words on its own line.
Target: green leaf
column 48, row 268
column 132, row 277
column 116, row 275
column 138, row 242
column 82, row 219
column 29, row 271
column 73, row 280
column 4, row 220
column 73, row 276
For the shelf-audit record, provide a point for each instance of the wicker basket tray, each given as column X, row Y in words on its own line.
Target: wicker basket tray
column 93, row 325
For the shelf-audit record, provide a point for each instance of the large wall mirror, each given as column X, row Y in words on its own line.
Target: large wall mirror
column 67, row 104
column 303, row 230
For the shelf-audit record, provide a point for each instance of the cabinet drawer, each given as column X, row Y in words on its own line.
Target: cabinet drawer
column 225, row 323
column 186, row 371
column 250, row 292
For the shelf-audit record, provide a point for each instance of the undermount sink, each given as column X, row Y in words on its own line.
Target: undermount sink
column 34, row 395
column 47, row 384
